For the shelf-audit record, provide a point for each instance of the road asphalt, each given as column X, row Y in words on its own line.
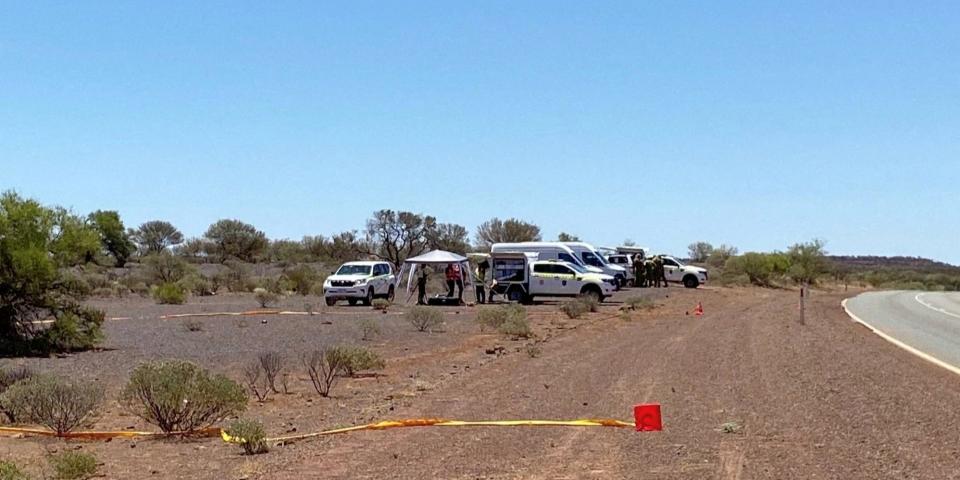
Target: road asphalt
column 927, row 321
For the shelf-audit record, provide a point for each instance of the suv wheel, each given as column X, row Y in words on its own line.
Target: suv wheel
column 331, row 301
column 592, row 291
column 691, row 281
column 391, row 294
column 368, row 300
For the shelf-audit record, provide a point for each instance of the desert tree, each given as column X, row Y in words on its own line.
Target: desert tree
column 395, row 236
column 113, row 236
column 719, row 255
column 37, row 247
column 699, row 252
column 233, row 239
column 156, row 236
column 567, row 237
column 808, row 261
column 448, row 236
column 510, row 230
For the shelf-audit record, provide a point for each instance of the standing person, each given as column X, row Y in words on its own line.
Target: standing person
column 480, row 286
column 451, row 276
column 639, row 274
column 658, row 270
column 649, row 268
column 422, row 286
column 458, row 272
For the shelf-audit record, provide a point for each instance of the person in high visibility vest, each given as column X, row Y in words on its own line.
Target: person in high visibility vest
column 454, row 279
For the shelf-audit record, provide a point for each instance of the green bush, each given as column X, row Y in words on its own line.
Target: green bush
column 169, row 294
column 265, row 297
column 574, row 308
column 73, row 330
column 73, row 465
column 424, row 318
column 250, row 436
column 165, row 267
column 10, row 471
column 493, row 318
column 381, row 304
column 516, row 324
column 301, row 279
column 179, row 396
column 638, row 303
column 356, row 359
column 236, row 277
column 58, row 404
column 198, row 285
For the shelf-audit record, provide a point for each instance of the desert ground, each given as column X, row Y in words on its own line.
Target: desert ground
column 825, row 399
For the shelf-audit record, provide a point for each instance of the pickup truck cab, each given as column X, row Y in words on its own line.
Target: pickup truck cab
column 592, row 258
column 690, row 276
column 360, row 282
column 521, row 277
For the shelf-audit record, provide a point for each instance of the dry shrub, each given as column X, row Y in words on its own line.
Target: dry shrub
column 250, row 436
column 10, row 471
column 179, row 396
column 358, row 359
column 505, row 319
column 381, row 304
column 574, row 308
column 73, row 465
column 193, row 325
column 272, row 364
column 256, row 381
column 424, row 318
column 368, row 328
column 265, row 297
column 56, row 403
column 638, row 303
column 323, row 366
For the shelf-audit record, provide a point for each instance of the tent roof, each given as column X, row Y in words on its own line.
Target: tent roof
column 437, row 256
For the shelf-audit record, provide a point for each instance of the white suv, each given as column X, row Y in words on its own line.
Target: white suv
column 360, row 282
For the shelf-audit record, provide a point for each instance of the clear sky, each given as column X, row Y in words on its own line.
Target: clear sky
column 749, row 123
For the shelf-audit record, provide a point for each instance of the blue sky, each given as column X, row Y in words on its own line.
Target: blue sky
column 748, row 123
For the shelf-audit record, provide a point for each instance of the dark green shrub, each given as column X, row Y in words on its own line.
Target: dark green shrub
column 197, row 285
column 179, row 396
column 166, row 267
column 236, row 277
column 74, row 330
column 73, row 465
column 249, row 435
column 58, row 404
column 193, row 325
column 10, row 471
column 169, row 294
column 424, row 318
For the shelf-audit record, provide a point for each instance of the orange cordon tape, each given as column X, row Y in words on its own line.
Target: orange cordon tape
column 205, row 433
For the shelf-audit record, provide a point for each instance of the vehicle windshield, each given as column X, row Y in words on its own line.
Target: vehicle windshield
column 577, row 268
column 354, row 270
column 591, row 258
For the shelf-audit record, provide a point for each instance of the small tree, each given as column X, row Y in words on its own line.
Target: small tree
column 395, row 236
column 511, row 230
column 699, row 252
column 448, row 236
column 156, row 236
column 165, row 267
column 301, row 278
column 567, row 237
column 720, row 255
column 179, row 396
column 37, row 245
column 233, row 239
column 58, row 404
column 113, row 235
column 807, row 261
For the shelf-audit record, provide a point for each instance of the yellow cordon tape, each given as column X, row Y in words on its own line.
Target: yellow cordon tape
column 438, row 422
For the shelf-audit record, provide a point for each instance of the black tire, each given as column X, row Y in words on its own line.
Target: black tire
column 352, row 302
column 515, row 294
column 331, row 301
column 592, row 291
column 691, row 281
column 631, row 283
column 391, row 294
column 368, row 300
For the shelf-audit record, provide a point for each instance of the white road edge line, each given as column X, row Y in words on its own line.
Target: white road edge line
column 931, row 307
column 926, row 356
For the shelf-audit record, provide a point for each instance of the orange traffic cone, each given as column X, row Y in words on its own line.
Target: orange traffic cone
column 699, row 310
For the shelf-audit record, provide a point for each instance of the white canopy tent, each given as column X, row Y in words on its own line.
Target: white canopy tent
column 435, row 257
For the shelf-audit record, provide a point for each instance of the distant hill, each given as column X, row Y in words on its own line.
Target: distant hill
column 915, row 264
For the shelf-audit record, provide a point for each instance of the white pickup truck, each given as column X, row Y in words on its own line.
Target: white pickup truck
column 360, row 282
column 690, row 276
column 520, row 277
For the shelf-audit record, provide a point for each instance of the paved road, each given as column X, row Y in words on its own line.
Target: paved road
column 926, row 321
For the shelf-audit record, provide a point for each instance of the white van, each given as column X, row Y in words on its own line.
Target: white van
column 593, row 258
column 545, row 251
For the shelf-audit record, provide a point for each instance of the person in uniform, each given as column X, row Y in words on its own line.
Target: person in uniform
column 649, row 271
column 480, row 286
column 422, row 286
column 639, row 274
column 658, row 270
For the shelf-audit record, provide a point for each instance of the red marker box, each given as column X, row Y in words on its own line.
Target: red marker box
column 647, row 417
